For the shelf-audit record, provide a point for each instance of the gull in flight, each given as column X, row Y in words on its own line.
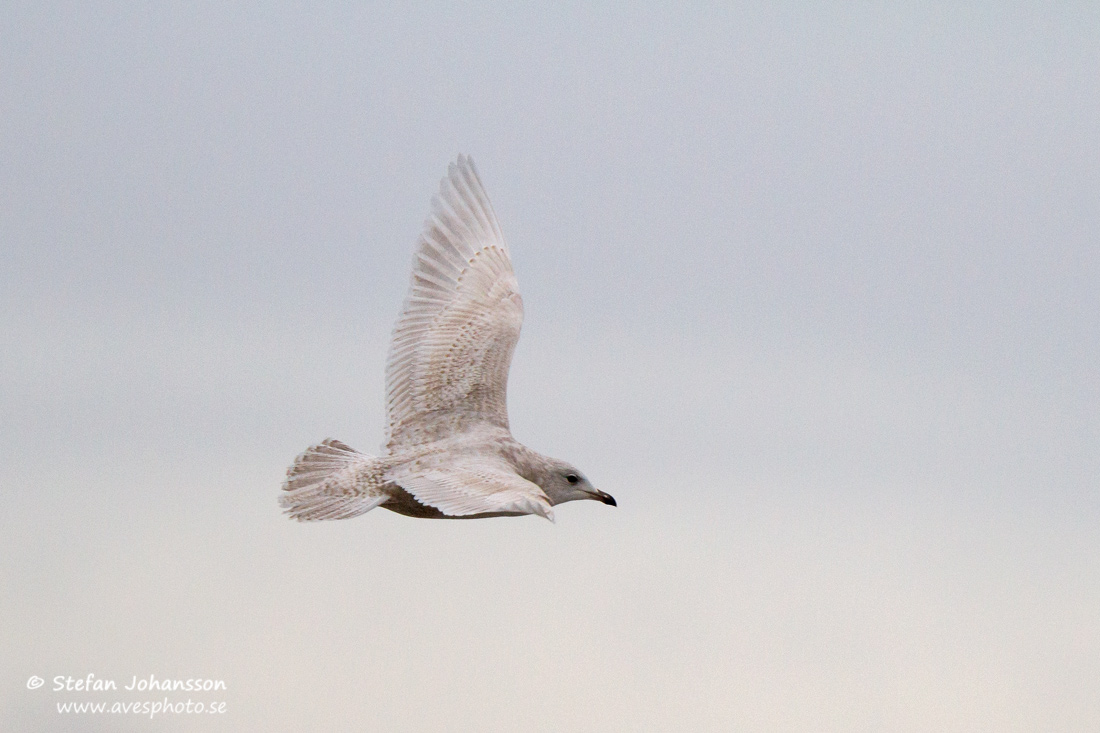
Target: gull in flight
column 449, row 453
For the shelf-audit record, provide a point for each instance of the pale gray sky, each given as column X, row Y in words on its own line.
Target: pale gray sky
column 812, row 292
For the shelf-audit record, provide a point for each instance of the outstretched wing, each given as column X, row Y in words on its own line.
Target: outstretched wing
column 465, row 489
column 447, row 369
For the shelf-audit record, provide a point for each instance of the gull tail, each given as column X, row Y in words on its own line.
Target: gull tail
column 332, row 481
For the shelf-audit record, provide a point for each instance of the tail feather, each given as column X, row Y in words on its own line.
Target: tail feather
column 331, row 481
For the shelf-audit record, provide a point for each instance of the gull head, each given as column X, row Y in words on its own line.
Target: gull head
column 563, row 482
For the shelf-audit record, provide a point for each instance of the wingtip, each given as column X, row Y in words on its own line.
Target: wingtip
column 541, row 507
column 460, row 165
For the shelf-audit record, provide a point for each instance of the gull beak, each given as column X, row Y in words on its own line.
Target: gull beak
column 605, row 498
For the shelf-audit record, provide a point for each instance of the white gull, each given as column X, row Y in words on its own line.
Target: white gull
column 449, row 452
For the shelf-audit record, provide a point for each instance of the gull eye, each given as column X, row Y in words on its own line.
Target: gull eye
column 572, row 478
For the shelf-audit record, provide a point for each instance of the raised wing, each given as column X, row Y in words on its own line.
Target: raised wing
column 447, row 369
column 472, row 488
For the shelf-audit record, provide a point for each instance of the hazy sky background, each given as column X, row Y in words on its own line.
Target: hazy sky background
column 812, row 292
